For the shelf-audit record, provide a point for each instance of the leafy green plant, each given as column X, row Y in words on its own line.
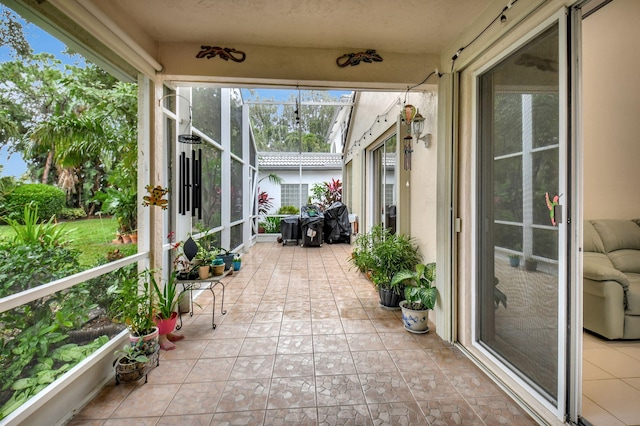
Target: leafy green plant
column 327, row 193
column 122, row 203
column 47, row 369
column 383, row 254
column 49, row 200
column 167, row 297
column 271, row 224
column 419, row 290
column 72, row 213
column 130, row 354
column 131, row 304
column 29, row 231
column 288, row 210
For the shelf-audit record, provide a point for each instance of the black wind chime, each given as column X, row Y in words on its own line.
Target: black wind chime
column 190, row 178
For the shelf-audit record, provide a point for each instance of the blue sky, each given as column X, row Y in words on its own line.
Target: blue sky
column 40, row 41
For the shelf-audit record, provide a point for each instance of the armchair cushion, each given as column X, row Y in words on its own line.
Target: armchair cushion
column 599, row 272
column 618, row 234
column 591, row 239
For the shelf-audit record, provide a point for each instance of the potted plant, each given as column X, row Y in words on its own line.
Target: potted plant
column 237, row 262
column 381, row 255
column 132, row 306
column 218, row 266
column 131, row 364
column 166, row 310
column 206, row 257
column 514, row 260
column 420, row 296
column 530, row 264
column 226, row 256
column 122, row 203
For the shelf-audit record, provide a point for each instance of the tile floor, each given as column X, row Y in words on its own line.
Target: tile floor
column 610, row 381
column 304, row 342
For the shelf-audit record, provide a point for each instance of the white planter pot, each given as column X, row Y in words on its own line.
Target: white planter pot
column 415, row 321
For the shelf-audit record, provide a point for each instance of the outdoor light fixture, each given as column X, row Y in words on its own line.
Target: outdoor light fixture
column 417, row 127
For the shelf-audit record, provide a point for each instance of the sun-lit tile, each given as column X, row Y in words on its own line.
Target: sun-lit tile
column 597, row 415
column 613, row 362
column 615, row 396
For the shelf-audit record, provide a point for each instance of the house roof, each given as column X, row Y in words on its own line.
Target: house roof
column 309, row 160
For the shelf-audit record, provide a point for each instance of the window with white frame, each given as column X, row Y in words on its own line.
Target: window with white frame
column 290, row 194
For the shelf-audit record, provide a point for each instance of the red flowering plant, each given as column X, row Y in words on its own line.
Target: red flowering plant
column 180, row 262
column 264, row 202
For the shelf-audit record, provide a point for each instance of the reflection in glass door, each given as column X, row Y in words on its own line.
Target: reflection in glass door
column 384, row 177
column 519, row 151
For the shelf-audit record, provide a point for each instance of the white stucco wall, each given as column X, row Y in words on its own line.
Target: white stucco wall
column 290, row 176
column 374, row 119
column 611, row 105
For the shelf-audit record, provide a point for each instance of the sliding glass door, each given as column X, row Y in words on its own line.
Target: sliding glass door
column 520, row 239
column 384, row 184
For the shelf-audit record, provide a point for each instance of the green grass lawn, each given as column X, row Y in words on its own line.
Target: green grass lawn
column 92, row 237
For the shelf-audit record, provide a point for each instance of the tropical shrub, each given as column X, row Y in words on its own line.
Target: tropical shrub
column 72, row 213
column 326, row 193
column 49, row 200
column 288, row 210
column 265, row 203
column 271, row 225
column 382, row 254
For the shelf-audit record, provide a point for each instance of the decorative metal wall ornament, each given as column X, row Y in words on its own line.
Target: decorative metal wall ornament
column 354, row 59
column 155, row 197
column 225, row 53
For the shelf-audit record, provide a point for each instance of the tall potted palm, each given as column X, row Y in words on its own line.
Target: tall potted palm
column 420, row 296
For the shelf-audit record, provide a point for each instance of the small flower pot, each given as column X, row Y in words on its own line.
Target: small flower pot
column 236, row 266
column 203, row 272
column 218, row 269
column 166, row 326
column 149, row 343
column 514, row 262
column 129, row 372
column 415, row 321
column 531, row 264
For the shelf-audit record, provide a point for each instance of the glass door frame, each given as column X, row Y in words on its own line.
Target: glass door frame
column 374, row 201
column 564, row 256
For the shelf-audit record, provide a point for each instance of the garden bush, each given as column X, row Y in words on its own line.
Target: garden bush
column 49, row 200
column 70, row 214
column 288, row 210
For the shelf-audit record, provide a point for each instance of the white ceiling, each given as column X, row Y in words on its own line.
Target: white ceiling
column 411, row 26
column 286, row 41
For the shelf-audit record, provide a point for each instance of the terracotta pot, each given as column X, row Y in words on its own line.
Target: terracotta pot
column 134, row 237
column 166, row 326
column 126, row 239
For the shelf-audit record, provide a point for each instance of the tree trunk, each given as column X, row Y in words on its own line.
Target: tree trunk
column 47, row 167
